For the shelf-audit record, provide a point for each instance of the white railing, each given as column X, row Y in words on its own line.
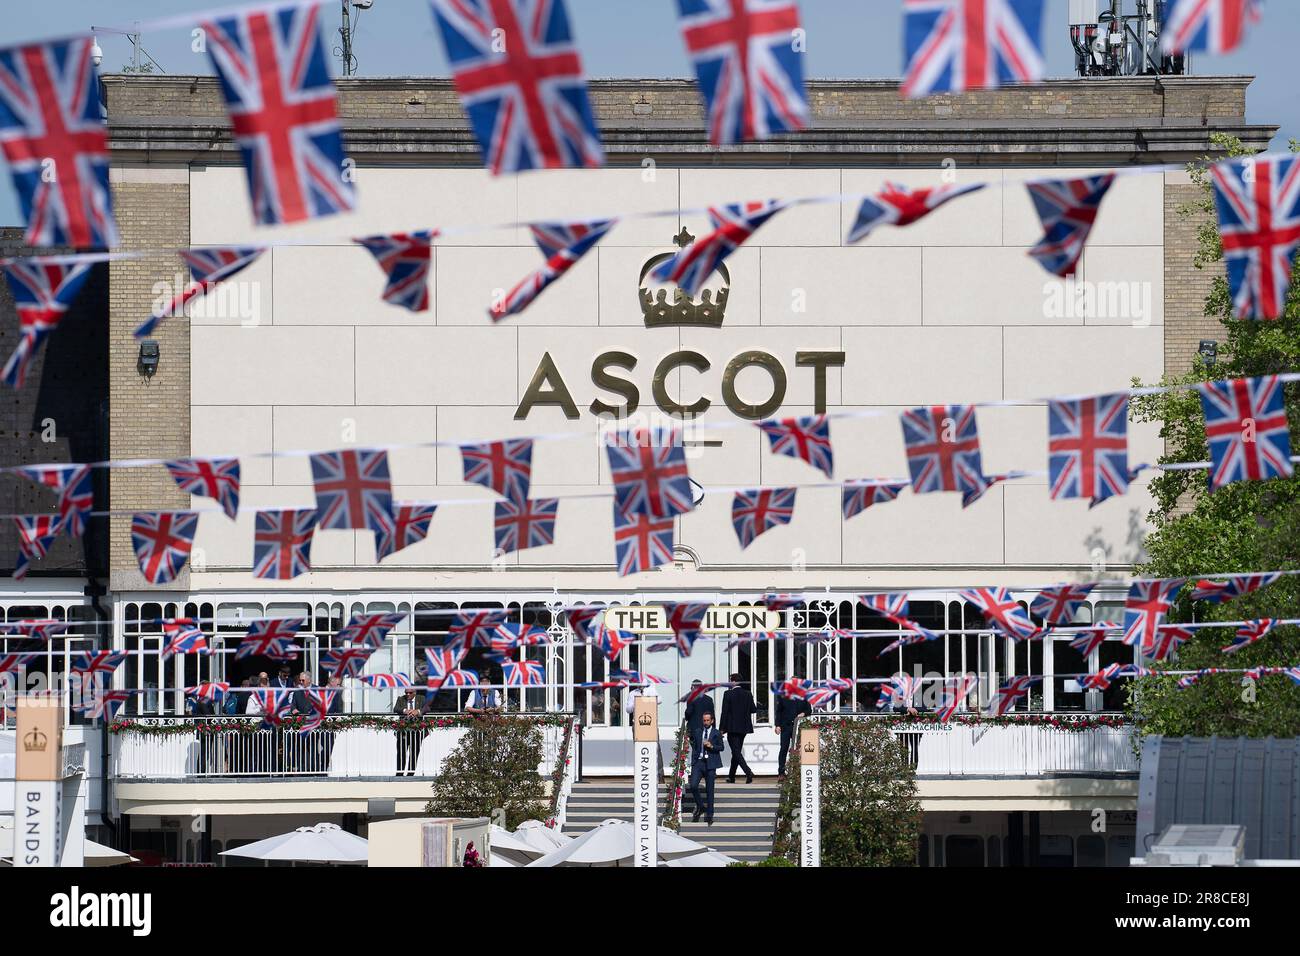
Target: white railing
column 257, row 751
column 567, row 777
column 1012, row 750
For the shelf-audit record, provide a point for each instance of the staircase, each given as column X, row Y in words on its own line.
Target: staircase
column 743, row 814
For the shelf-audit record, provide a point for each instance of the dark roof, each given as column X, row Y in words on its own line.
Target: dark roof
column 1252, row 782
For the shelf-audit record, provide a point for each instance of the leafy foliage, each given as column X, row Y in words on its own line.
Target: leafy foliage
column 494, row 766
column 870, row 815
column 1246, row 526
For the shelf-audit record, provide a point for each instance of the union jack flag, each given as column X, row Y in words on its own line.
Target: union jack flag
column 516, row 635
column 1067, row 208
column 519, row 77
column 808, row 439
column 208, row 690
column 953, row 696
column 1233, row 586
column 97, row 662
column 859, row 497
column 35, row 535
column 460, row 678
column 1087, row 447
column 1169, row 637
column 1258, row 204
column 1006, row 697
column 76, row 493
column 612, row 642
column 442, row 661
column 781, row 602
column 162, row 541
column 820, row 697
column 505, row 467
column 18, row 662
column 649, row 479
column 563, row 244
column 1187, row 680
column 209, row 267
column 686, row 621
column 529, row 523
column 273, row 638
column 759, row 510
column 637, row 677
column 1002, row 611
column 952, row 46
column 986, row 484
column 1061, row 602
column 1293, row 673
column 319, row 700
column 1247, row 430
column 898, row 691
column 699, row 690
column 183, row 637
column 346, row 661
column 37, row 630
column 275, row 79
column 523, row 673
column 407, row 525
column 274, row 702
column 641, row 543
column 943, row 449
column 1211, row 26
column 405, row 258
column 894, row 607
column 1091, row 638
column 474, row 628
column 282, row 543
column 56, row 143
column 1249, row 633
column 215, row 478
column 897, row 205
column 368, row 630
column 1145, row 609
column 579, row 621
column 1259, row 672
column 732, row 225
column 352, row 489
column 386, row 681
column 748, row 68
column 102, row 703
column 753, row 637
column 42, row 293
column 1103, row 678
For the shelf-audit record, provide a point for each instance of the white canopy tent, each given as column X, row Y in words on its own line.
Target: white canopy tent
column 612, row 843
column 96, row 854
column 707, row 858
column 323, row 843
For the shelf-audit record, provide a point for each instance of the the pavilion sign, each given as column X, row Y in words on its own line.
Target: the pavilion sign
column 720, row 619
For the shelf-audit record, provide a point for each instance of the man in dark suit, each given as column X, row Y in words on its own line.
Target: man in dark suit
column 788, row 709
column 697, row 708
column 409, row 708
column 737, row 721
column 706, row 759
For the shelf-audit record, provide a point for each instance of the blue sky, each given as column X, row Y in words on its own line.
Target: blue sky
column 858, row 39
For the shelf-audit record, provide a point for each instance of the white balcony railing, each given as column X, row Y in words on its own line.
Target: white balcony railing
column 280, row 752
column 1014, row 750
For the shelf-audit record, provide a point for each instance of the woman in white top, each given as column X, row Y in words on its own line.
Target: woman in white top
column 255, row 707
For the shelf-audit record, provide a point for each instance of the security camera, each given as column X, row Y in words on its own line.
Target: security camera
column 96, row 53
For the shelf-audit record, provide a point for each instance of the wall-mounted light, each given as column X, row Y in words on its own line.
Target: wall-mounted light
column 1208, row 350
column 147, row 362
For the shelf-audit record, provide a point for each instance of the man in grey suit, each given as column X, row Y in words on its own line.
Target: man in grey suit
column 706, row 760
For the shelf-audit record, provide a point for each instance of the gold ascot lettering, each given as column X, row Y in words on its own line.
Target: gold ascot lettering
column 549, row 389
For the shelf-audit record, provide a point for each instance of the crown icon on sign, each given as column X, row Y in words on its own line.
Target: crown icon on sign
column 35, row 742
column 808, row 747
column 659, row 312
column 644, row 720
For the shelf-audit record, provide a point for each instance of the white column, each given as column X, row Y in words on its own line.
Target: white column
column 38, row 782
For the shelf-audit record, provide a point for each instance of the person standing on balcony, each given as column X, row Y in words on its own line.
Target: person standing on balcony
column 788, row 710
column 485, row 698
column 737, row 723
column 706, row 759
column 409, row 708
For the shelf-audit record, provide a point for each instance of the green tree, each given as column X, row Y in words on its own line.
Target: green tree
column 1245, row 526
column 494, row 766
column 870, row 815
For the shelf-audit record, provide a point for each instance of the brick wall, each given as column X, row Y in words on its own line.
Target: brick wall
column 1186, row 287
column 149, row 418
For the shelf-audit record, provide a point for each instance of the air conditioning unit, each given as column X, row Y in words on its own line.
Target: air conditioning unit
column 1186, row 844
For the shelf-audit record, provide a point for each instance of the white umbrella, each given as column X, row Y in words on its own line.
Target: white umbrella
column 541, row 837
column 511, row 847
column 612, row 843
column 95, row 854
column 707, row 858
column 499, row 859
column 323, row 843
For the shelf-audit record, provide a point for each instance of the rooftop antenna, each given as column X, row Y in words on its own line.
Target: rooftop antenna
column 137, row 48
column 344, row 49
column 1111, row 42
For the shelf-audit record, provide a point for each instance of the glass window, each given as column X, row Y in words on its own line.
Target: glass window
column 1055, row 851
column 1091, row 850
column 964, row 851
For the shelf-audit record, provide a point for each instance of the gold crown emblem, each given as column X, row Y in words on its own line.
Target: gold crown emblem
column 35, row 742
column 644, row 720
column 683, row 309
column 808, row 747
